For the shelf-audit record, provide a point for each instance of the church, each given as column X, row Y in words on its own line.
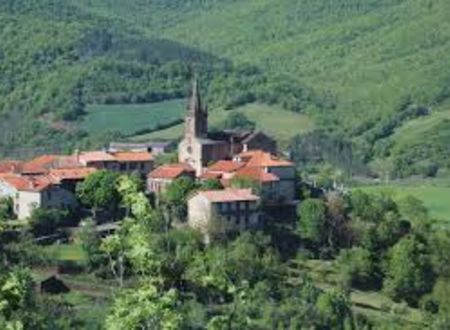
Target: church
column 199, row 148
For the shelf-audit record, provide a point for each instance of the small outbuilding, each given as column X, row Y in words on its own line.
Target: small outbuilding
column 54, row 285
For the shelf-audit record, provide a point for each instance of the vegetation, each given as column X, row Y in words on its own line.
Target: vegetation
column 266, row 118
column 132, row 119
column 333, row 61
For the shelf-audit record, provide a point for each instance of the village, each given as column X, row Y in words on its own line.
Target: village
column 253, row 180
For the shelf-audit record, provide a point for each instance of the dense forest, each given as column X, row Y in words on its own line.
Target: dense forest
column 361, row 69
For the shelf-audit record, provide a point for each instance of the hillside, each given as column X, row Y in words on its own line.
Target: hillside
column 360, row 69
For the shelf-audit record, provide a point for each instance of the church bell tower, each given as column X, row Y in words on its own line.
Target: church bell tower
column 197, row 115
column 190, row 149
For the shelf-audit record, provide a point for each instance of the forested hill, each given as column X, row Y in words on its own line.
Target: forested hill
column 362, row 69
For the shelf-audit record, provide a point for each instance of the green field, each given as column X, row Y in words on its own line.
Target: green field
column 64, row 252
column 131, row 118
column 267, row 118
column 436, row 198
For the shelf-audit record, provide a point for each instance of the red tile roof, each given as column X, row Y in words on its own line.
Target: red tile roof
column 259, row 158
column 27, row 183
column 227, row 166
column 81, row 173
column 130, row 156
column 44, row 163
column 96, row 156
column 210, row 175
column 171, row 171
column 10, row 166
column 257, row 174
column 229, row 195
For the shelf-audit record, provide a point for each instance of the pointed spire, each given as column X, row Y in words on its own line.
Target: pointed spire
column 195, row 104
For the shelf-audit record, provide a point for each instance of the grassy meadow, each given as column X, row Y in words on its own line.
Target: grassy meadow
column 131, row 118
column 435, row 196
column 267, row 119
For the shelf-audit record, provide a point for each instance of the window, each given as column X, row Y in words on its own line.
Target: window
column 238, row 220
column 123, row 166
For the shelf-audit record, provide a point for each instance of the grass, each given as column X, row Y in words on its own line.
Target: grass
column 435, row 196
column 267, row 118
column 67, row 252
column 132, row 118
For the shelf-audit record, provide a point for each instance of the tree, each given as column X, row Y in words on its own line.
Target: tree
column 17, row 301
column 358, row 268
column 246, row 183
column 312, row 225
column 99, row 191
column 237, row 120
column 334, row 309
column 90, row 242
column 145, row 308
column 46, row 221
column 211, row 184
column 177, row 194
column 409, row 273
column 6, row 208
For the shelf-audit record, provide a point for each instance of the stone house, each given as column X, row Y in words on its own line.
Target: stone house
column 221, row 211
column 161, row 177
column 126, row 162
column 31, row 192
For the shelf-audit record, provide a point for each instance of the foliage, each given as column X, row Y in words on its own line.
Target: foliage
column 145, row 308
column 16, row 299
column 6, row 209
column 90, row 242
column 211, row 184
column 236, row 120
column 47, row 221
column 99, row 190
column 408, row 272
column 358, row 268
column 176, row 196
column 312, row 213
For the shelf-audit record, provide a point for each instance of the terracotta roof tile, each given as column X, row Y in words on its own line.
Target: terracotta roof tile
column 171, row 171
column 257, row 174
column 130, row 156
column 95, row 156
column 44, row 163
column 10, row 166
column 226, row 166
column 229, row 195
column 27, row 183
column 259, row 158
column 81, row 173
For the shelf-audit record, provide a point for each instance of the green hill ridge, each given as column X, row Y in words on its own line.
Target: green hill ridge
column 360, row 69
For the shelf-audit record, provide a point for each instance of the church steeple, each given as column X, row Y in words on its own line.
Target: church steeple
column 197, row 114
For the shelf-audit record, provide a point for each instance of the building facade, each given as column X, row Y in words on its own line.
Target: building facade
column 220, row 211
column 161, row 177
